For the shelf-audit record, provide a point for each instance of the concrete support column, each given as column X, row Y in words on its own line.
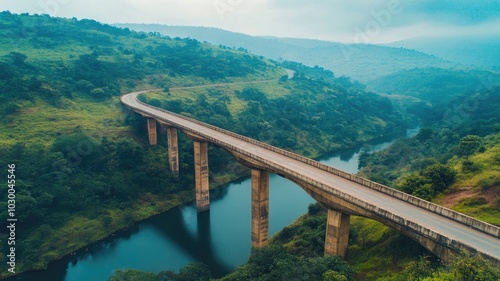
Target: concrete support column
column 337, row 233
column 201, row 176
column 173, row 150
column 260, row 208
column 152, row 131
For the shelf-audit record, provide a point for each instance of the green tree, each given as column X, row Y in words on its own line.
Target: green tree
column 474, row 268
column 194, row 272
column 18, row 59
column 425, row 192
column 469, row 166
column 314, row 208
column 469, row 145
column 411, row 183
column 133, row 275
column 417, row 270
column 441, row 176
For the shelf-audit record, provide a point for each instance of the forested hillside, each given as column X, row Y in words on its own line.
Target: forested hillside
column 434, row 85
column 84, row 170
column 453, row 161
column 456, row 153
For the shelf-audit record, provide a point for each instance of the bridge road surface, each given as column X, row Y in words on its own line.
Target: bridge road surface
column 476, row 239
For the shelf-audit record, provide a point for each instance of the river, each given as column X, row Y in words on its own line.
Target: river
column 220, row 238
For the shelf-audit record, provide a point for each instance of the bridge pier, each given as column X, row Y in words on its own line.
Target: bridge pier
column 173, row 150
column 337, row 233
column 201, row 176
column 260, row 208
column 152, row 131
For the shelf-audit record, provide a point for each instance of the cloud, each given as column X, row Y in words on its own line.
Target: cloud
column 335, row 20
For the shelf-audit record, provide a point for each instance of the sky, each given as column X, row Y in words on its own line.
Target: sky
column 349, row 21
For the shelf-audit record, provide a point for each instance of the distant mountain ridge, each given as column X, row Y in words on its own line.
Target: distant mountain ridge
column 477, row 50
column 361, row 62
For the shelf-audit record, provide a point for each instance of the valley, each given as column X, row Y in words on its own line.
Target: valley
column 89, row 185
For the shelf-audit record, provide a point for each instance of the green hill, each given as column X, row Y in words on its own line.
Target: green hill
column 434, row 85
column 359, row 61
column 82, row 159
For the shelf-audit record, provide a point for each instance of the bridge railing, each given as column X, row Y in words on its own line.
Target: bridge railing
column 437, row 209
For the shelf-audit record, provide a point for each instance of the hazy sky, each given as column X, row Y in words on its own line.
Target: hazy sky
column 368, row 21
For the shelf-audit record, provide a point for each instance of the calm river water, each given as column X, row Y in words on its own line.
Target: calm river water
column 220, row 238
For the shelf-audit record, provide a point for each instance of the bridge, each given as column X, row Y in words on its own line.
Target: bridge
column 442, row 231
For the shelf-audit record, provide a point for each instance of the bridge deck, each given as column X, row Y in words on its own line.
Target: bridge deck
column 478, row 240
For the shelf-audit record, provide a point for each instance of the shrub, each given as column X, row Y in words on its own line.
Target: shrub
column 474, row 201
column 490, row 181
column 314, row 208
column 470, row 167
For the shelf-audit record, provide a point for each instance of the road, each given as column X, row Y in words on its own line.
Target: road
column 478, row 240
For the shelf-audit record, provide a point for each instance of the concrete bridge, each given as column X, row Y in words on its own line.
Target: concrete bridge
column 442, row 231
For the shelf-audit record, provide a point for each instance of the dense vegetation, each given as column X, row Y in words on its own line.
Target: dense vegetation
column 453, row 161
column 456, row 145
column 434, row 85
column 83, row 169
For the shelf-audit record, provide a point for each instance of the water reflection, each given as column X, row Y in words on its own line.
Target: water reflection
column 192, row 233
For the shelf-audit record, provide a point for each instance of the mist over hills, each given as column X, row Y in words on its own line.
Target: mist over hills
column 359, row 61
column 476, row 50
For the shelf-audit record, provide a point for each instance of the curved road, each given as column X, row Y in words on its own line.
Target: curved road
column 478, row 240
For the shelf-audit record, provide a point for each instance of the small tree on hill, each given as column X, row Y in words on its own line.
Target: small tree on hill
column 469, row 145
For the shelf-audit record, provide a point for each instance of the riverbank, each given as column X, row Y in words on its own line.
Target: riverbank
column 85, row 230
